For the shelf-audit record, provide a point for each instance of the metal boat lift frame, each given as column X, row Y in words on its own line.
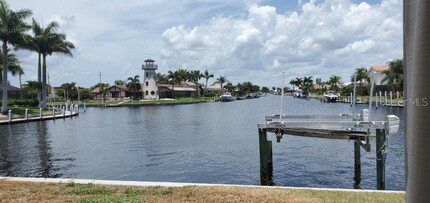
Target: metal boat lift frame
column 357, row 128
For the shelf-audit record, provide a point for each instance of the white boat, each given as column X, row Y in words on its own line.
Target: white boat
column 330, row 96
column 226, row 97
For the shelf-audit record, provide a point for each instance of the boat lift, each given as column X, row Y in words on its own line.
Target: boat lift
column 356, row 127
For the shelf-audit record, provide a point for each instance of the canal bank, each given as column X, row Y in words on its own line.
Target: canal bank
column 51, row 189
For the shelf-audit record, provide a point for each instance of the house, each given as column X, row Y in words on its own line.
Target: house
column 376, row 73
column 118, row 91
column 183, row 90
column 13, row 92
column 97, row 93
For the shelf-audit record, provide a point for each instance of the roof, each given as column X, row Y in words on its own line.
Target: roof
column 96, row 90
column 380, row 68
column 178, row 88
column 10, row 88
column 149, row 60
column 122, row 87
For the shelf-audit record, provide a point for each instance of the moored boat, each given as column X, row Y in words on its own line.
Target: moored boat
column 226, row 97
column 330, row 96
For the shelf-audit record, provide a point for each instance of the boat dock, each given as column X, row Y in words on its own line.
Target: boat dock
column 342, row 126
column 65, row 112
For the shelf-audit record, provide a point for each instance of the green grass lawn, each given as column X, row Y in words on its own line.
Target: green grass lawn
column 71, row 192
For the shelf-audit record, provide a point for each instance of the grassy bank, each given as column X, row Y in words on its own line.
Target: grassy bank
column 43, row 192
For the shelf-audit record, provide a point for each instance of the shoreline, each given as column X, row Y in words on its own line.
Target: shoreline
column 86, row 190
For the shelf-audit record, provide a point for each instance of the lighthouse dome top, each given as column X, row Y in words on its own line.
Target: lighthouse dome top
column 149, row 60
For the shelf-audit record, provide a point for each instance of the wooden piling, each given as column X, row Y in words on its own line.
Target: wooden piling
column 357, row 164
column 380, row 159
column 266, row 163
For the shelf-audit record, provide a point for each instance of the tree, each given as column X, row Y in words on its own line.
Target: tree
column 173, row 77
column 221, row 80
column 361, row 74
column 133, row 85
column 183, row 75
column 394, row 75
column 31, row 87
column 47, row 41
column 293, row 82
column 119, row 82
column 161, row 78
column 320, row 83
column 308, row 83
column 230, row 87
column 207, row 76
column 70, row 91
column 85, row 94
column 12, row 31
column 195, row 76
column 334, row 82
column 265, row 89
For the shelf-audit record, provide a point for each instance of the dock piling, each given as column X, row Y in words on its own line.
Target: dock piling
column 10, row 115
column 391, row 98
column 376, row 101
column 385, row 98
column 266, row 163
column 26, row 114
column 380, row 159
column 40, row 113
column 357, row 164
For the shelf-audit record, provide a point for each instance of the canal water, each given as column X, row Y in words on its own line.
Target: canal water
column 198, row 143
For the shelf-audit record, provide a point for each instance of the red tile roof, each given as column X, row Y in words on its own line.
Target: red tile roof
column 380, row 68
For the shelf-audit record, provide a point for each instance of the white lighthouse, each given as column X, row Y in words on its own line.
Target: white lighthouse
column 150, row 90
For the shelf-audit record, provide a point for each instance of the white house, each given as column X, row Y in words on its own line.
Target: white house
column 376, row 72
column 149, row 87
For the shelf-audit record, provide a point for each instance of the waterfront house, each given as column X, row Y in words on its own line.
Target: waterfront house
column 183, row 90
column 118, row 91
column 13, row 92
column 96, row 93
column 377, row 73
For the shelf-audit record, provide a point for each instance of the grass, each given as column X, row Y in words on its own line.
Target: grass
column 43, row 192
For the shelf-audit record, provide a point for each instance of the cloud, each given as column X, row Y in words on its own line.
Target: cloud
column 245, row 40
column 321, row 39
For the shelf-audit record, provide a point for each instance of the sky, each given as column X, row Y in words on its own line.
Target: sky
column 246, row 40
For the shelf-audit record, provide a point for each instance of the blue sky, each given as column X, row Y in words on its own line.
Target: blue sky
column 247, row 40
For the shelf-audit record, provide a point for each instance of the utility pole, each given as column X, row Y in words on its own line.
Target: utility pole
column 101, row 87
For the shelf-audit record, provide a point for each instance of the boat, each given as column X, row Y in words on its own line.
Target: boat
column 330, row 96
column 297, row 93
column 304, row 95
column 226, row 97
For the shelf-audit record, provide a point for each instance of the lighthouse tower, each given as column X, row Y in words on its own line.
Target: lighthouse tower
column 150, row 90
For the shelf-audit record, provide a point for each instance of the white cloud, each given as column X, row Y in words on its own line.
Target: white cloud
column 244, row 40
column 323, row 38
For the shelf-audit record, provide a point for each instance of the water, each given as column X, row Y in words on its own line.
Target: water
column 199, row 143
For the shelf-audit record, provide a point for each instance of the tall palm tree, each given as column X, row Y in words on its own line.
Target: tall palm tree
column 133, row 84
column 394, row 75
column 194, row 77
column 161, row 78
column 334, row 82
column 299, row 82
column 47, row 41
column 173, row 77
column 14, row 66
column 12, row 31
column 207, row 76
column 293, row 82
column 221, row 80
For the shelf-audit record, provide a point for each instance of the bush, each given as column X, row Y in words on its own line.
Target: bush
column 24, row 102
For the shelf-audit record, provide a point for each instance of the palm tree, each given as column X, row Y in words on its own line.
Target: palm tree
column 47, row 41
column 230, row 87
column 183, row 75
column 293, row 83
column 207, row 76
column 31, row 87
column 161, row 78
column 394, row 75
column 12, row 31
column 194, row 77
column 14, row 66
column 361, row 74
column 307, row 83
column 334, row 81
column 299, row 82
column 173, row 77
column 133, row 85
column 221, row 80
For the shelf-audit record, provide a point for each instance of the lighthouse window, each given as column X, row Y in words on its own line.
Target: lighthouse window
column 152, row 92
column 147, row 83
column 146, row 93
column 147, row 74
